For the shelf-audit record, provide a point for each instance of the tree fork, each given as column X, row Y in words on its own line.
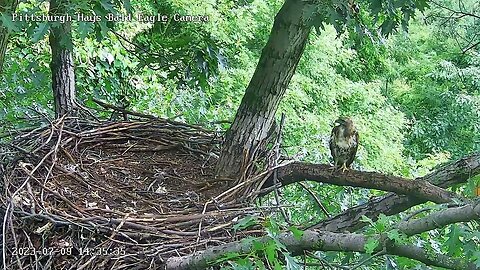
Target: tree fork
column 256, row 113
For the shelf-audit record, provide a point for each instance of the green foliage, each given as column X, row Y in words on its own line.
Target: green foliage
column 371, row 245
column 437, row 90
column 245, row 223
column 453, row 243
column 267, row 254
column 296, row 232
column 24, row 83
column 415, row 98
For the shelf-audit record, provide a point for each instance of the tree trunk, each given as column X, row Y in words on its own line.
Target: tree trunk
column 5, row 6
column 63, row 76
column 274, row 71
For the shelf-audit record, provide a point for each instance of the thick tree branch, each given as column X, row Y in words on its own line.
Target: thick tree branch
column 329, row 241
column 391, row 204
column 299, row 171
column 313, row 241
column 440, row 219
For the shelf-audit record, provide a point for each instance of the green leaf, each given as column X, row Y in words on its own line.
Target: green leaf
column 259, row 265
column 371, row 245
column 296, row 232
column 271, row 252
column 375, row 6
column 84, row 28
column 291, row 263
column 107, row 5
column 453, row 242
column 382, row 223
column 279, row 245
column 245, row 223
column 8, row 23
column 367, row 220
column 421, row 5
column 396, row 236
column 227, row 256
column 257, row 246
column 40, row 31
column 272, row 227
column 127, row 5
column 387, row 26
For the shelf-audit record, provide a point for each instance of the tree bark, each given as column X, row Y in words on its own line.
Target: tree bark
column 440, row 219
column 314, row 241
column 274, row 71
column 62, row 66
column 5, row 6
column 328, row 240
column 446, row 176
column 299, row 171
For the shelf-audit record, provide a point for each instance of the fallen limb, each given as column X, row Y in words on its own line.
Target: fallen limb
column 315, row 241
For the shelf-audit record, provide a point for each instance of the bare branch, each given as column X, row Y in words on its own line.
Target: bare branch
column 465, row 50
column 299, row 171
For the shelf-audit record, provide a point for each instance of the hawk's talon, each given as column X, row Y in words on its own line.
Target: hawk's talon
column 344, row 168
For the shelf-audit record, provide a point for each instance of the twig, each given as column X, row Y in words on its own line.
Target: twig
column 278, row 142
column 317, row 200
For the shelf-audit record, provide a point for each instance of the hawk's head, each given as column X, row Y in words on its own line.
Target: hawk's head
column 346, row 125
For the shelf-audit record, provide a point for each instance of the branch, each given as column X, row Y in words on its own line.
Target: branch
column 465, row 50
column 123, row 110
column 299, row 171
column 391, row 204
column 445, row 176
column 461, row 13
column 440, row 219
column 315, row 241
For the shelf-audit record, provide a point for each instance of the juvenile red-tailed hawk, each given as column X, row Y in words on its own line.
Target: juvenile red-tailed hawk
column 343, row 143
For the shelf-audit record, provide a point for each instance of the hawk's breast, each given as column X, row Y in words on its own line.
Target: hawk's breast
column 346, row 143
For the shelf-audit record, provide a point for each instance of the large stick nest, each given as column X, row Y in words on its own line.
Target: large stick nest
column 78, row 194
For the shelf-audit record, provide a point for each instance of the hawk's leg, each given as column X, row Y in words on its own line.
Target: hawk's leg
column 344, row 168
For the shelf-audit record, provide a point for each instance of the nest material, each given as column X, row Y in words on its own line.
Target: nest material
column 92, row 195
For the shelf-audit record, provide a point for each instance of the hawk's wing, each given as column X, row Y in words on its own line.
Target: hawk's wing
column 333, row 149
column 352, row 152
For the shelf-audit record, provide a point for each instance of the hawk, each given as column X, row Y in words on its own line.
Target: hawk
column 343, row 143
